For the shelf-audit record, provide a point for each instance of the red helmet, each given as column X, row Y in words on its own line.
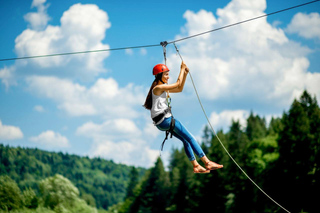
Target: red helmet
column 159, row 68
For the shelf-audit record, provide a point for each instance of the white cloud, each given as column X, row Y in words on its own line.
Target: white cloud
column 129, row 51
column 150, row 130
column 39, row 19
column 252, row 62
column 143, row 51
column 120, row 140
column 68, row 95
column 104, row 98
column 131, row 153
column 305, row 25
column 51, row 139
column 9, row 132
column 38, row 108
column 223, row 119
column 7, row 76
column 206, row 19
column 82, row 28
column 37, row 3
column 116, row 129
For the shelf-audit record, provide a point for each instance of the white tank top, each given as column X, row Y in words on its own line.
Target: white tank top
column 159, row 105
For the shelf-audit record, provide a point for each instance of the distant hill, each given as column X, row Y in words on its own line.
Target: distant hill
column 104, row 180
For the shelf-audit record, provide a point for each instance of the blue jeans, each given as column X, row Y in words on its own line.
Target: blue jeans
column 189, row 142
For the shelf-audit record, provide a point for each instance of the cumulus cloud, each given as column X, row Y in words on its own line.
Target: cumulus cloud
column 143, row 51
column 104, row 98
column 252, row 62
column 7, row 76
column 82, row 28
column 9, row 132
column 129, row 51
column 38, row 20
column 51, row 139
column 223, row 119
column 305, row 25
column 193, row 27
column 132, row 153
column 120, row 129
column 38, row 108
column 120, row 140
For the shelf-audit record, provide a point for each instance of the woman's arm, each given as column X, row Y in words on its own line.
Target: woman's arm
column 178, row 85
column 184, row 69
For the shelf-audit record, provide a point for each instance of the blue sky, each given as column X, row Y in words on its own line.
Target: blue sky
column 90, row 104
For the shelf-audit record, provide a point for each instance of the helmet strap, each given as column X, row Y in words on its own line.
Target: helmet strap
column 159, row 77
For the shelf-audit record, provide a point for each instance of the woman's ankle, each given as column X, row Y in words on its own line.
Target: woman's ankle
column 205, row 160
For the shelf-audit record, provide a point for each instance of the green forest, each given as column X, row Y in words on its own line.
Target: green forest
column 283, row 158
column 23, row 171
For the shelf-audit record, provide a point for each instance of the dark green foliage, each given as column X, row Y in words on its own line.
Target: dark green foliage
column 275, row 126
column 134, row 178
column 297, row 171
column 256, row 127
column 282, row 158
column 105, row 181
column 30, row 199
column 57, row 195
column 154, row 190
column 10, row 194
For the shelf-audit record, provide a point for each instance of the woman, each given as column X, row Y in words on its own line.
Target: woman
column 158, row 103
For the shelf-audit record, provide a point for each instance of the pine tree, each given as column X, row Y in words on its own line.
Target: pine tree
column 134, row 178
column 256, row 127
column 154, row 192
column 275, row 126
column 210, row 189
column 241, row 190
column 298, row 164
column 181, row 177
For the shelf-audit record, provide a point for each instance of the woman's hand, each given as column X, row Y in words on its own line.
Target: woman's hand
column 184, row 67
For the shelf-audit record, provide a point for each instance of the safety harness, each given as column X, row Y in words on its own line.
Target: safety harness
column 168, row 110
column 172, row 124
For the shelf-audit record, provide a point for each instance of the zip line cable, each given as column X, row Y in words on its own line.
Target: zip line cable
column 225, row 149
column 81, row 52
column 155, row 45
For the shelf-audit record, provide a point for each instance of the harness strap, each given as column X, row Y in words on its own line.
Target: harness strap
column 172, row 124
column 161, row 115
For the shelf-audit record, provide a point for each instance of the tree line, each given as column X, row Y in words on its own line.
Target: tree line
column 57, row 195
column 283, row 158
column 101, row 183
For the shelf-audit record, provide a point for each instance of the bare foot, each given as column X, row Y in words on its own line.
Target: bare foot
column 199, row 169
column 213, row 166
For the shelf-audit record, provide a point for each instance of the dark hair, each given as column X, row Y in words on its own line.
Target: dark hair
column 148, row 103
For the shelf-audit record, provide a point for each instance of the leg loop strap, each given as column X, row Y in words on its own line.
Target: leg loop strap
column 170, row 131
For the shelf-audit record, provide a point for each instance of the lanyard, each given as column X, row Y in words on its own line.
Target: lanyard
column 168, row 100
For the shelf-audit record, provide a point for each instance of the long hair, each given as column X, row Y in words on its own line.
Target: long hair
column 148, row 103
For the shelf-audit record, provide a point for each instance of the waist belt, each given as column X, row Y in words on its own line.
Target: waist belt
column 161, row 115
